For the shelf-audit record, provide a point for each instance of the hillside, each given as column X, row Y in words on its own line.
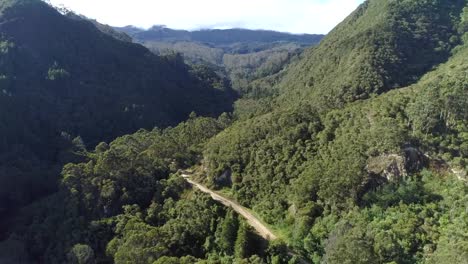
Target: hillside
column 380, row 47
column 64, row 84
column 377, row 48
column 346, row 139
column 355, row 152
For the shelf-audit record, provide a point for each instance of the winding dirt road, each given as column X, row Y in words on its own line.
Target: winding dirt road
column 253, row 221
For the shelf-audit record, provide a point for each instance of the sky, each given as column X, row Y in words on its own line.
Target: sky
column 295, row 16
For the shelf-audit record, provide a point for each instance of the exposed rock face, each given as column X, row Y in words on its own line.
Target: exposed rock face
column 390, row 166
column 394, row 167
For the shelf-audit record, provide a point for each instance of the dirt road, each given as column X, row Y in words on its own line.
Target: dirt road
column 251, row 219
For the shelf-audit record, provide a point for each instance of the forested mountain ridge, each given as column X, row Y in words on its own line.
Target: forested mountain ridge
column 61, row 78
column 379, row 47
column 219, row 37
column 350, row 161
column 352, row 124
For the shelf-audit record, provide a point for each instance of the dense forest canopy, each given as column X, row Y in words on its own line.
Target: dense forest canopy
column 360, row 116
column 353, row 151
column 64, row 84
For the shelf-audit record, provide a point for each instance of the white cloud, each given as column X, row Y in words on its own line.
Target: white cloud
column 297, row 16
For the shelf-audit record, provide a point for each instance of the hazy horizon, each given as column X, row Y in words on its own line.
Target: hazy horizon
column 289, row 16
column 213, row 28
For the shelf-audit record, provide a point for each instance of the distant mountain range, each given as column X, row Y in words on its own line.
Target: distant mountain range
column 218, row 36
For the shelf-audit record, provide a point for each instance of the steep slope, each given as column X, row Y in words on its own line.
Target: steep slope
column 381, row 46
column 322, row 151
column 127, row 204
column 61, row 77
column 369, row 181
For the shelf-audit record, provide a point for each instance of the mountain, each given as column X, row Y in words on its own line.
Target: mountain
column 62, row 78
column 357, row 153
column 108, row 29
column 240, row 55
column 218, row 37
column 380, row 47
column 360, row 131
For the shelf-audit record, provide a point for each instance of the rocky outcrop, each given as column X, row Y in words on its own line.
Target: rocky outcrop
column 390, row 166
column 395, row 167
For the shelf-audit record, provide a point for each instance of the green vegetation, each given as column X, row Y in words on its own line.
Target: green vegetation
column 240, row 66
column 55, row 73
column 127, row 204
column 242, row 56
column 381, row 46
column 356, row 150
column 61, row 78
column 242, row 38
column 339, row 131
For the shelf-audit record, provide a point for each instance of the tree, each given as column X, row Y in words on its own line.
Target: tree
column 81, row 254
column 349, row 245
column 241, row 248
column 228, row 233
column 278, row 252
column 452, row 247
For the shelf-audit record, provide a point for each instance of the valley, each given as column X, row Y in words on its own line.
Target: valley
column 235, row 146
column 240, row 56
